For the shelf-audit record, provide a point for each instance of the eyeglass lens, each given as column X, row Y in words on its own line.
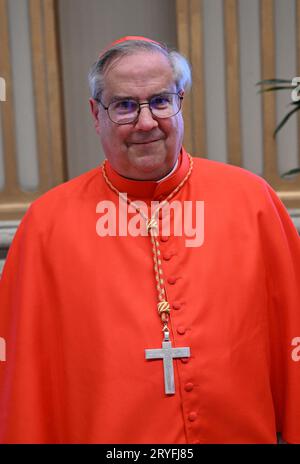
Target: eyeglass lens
column 161, row 106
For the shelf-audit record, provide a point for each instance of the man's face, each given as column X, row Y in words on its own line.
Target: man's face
column 148, row 148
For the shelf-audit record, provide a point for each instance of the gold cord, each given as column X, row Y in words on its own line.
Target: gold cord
column 163, row 305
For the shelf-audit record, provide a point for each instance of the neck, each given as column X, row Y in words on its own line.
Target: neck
column 170, row 172
column 150, row 189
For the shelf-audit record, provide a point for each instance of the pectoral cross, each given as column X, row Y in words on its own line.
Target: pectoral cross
column 167, row 354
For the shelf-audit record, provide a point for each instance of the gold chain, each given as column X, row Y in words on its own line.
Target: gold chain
column 163, row 305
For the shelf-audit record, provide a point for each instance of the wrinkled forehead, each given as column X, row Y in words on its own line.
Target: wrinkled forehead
column 137, row 68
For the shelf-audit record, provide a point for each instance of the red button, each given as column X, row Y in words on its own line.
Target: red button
column 192, row 416
column 167, row 256
column 165, row 238
column 181, row 330
column 185, row 360
column 189, row 386
column 176, row 305
column 172, row 280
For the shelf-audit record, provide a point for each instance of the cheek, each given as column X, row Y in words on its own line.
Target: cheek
column 119, row 137
column 174, row 129
column 180, row 121
column 112, row 136
column 167, row 126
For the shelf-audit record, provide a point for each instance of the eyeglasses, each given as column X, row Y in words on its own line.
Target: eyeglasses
column 126, row 111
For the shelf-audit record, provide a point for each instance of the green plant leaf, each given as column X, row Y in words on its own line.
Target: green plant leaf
column 274, row 81
column 285, row 119
column 279, row 84
column 281, row 87
column 291, row 172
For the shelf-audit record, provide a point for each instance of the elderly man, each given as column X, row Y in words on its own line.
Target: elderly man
column 155, row 299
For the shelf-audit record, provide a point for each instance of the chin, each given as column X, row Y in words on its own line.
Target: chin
column 149, row 160
column 151, row 163
column 154, row 171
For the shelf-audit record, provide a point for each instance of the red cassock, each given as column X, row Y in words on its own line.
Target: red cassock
column 78, row 310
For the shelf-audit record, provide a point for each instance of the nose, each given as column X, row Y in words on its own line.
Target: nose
column 145, row 121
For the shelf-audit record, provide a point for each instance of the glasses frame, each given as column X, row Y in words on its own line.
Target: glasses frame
column 141, row 104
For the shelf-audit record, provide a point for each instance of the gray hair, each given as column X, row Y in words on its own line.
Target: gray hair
column 179, row 64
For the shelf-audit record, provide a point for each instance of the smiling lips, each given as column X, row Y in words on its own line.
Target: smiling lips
column 146, row 142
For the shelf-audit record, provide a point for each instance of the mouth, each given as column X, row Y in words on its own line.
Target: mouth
column 146, row 142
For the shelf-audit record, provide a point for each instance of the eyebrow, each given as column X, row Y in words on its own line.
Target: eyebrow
column 130, row 97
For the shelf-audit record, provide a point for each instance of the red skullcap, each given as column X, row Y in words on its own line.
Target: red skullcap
column 127, row 38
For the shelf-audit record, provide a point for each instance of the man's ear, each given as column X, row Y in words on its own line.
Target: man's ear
column 94, row 107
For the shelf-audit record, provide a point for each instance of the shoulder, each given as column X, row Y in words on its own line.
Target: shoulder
column 77, row 191
column 63, row 203
column 240, row 191
column 74, row 187
column 228, row 179
column 216, row 169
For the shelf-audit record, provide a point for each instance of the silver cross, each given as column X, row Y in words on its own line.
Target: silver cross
column 167, row 353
